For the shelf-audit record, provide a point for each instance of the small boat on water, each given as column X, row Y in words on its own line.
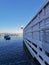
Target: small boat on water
column 7, row 37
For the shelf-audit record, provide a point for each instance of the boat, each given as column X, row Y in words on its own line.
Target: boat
column 36, row 35
column 7, row 37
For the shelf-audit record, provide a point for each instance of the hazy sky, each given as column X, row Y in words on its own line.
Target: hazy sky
column 17, row 13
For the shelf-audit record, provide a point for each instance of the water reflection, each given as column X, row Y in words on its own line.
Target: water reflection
column 13, row 52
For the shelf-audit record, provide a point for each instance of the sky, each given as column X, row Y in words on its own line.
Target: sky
column 17, row 13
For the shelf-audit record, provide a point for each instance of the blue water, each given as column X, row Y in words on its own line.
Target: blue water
column 12, row 52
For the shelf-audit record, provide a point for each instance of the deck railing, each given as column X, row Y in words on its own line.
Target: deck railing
column 36, row 35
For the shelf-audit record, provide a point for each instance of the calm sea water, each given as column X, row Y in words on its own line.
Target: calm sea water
column 12, row 52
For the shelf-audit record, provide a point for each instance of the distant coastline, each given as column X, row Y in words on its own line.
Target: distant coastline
column 11, row 34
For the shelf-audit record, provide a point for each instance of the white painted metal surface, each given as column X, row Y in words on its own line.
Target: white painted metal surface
column 36, row 35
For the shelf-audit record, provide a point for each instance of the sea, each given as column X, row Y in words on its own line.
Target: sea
column 14, row 52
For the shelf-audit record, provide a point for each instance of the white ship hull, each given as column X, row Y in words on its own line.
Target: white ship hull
column 36, row 35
